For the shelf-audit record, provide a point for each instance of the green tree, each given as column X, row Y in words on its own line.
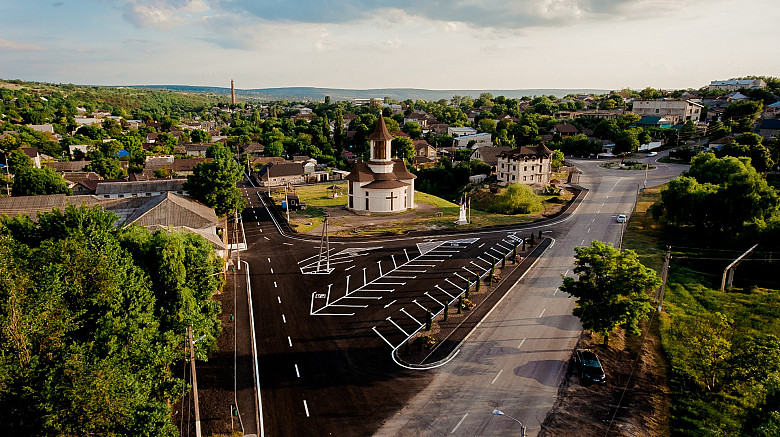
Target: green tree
column 37, row 181
column 516, row 199
column 557, row 159
column 611, row 288
column 412, row 129
column 18, row 161
column 214, row 183
column 704, row 343
column 200, row 136
column 402, row 148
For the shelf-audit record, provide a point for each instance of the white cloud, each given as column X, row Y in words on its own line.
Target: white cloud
column 19, row 46
column 162, row 14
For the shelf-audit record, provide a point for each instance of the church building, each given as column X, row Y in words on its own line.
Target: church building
column 382, row 184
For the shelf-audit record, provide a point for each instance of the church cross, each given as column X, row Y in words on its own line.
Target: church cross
column 391, row 197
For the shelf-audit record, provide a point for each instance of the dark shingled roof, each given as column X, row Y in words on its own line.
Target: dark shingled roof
column 385, row 185
column 361, row 172
column 380, row 131
column 282, row 169
column 540, row 150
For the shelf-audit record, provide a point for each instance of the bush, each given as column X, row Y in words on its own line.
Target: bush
column 516, row 199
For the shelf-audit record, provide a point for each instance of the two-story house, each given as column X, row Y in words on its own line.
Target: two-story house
column 526, row 165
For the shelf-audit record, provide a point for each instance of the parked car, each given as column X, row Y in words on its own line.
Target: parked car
column 621, row 218
column 590, row 367
column 652, row 153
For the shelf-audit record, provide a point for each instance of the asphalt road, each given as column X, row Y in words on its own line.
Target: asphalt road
column 324, row 339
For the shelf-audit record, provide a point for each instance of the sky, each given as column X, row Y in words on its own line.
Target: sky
column 359, row 44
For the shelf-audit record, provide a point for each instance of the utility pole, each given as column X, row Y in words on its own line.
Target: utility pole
column 664, row 275
column 194, row 382
column 324, row 244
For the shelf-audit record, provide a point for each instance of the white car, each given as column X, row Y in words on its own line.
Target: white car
column 621, row 218
column 652, row 153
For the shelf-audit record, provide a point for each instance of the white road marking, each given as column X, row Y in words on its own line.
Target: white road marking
column 289, row 340
column 275, row 286
column 588, row 231
column 400, row 277
column 382, row 337
column 556, row 290
column 567, row 272
column 521, row 343
column 583, row 243
column 396, row 325
column 464, row 268
column 496, row 378
column 269, row 259
column 288, row 244
column 265, row 236
column 540, row 315
column 410, row 316
column 480, row 245
column 349, row 268
column 297, row 373
column 420, row 305
column 306, row 407
column 389, row 304
column 284, row 319
column 278, row 299
column 272, row 270
column 459, row 423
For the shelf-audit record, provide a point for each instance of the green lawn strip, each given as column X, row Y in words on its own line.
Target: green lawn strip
column 732, row 408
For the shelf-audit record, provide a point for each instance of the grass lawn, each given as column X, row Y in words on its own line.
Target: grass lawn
column 432, row 212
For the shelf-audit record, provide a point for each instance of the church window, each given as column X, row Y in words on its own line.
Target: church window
column 379, row 150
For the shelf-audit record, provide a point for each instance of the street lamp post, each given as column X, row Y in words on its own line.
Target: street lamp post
column 522, row 427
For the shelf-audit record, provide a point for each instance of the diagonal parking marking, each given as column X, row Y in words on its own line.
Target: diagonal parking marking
column 466, row 269
column 383, row 337
column 479, row 266
column 410, row 316
column 444, row 291
column 396, row 325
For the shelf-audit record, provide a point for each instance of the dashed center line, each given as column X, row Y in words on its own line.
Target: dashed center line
column 289, row 341
column 496, row 378
column 272, row 270
column 306, row 407
column 284, row 319
column 278, row 299
column 521, row 343
column 297, row 373
column 459, row 423
column 542, row 313
column 275, row 286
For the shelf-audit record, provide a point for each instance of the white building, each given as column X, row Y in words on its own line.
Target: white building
column 460, row 131
column 463, row 142
column 677, row 111
column 736, row 84
column 383, row 184
column 526, row 165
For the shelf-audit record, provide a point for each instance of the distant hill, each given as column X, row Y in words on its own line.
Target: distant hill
column 311, row 93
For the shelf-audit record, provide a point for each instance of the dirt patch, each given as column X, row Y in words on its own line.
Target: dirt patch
column 634, row 401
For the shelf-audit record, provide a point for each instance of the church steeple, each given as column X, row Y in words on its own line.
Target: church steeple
column 381, row 159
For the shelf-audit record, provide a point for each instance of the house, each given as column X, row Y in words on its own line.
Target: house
column 168, row 211
column 653, row 121
column 565, row 130
column 274, row 175
column 460, row 131
column 383, row 184
column 465, row 141
column 196, row 149
column 254, row 149
column 526, row 165
column 769, row 128
column 348, row 156
column 45, row 128
column 424, row 154
column 676, row 111
column 736, row 84
column 489, row 155
column 32, row 153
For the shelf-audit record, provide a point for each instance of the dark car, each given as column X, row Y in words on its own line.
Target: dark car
column 590, row 367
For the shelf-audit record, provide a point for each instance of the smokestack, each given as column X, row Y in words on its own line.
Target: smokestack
column 232, row 93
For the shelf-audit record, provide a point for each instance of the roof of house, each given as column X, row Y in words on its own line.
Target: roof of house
column 32, row 152
column 380, row 131
column 566, row 128
column 540, row 150
column 171, row 209
column 489, row 154
column 421, row 144
column 138, row 187
column 67, row 166
column 282, row 169
column 254, row 148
